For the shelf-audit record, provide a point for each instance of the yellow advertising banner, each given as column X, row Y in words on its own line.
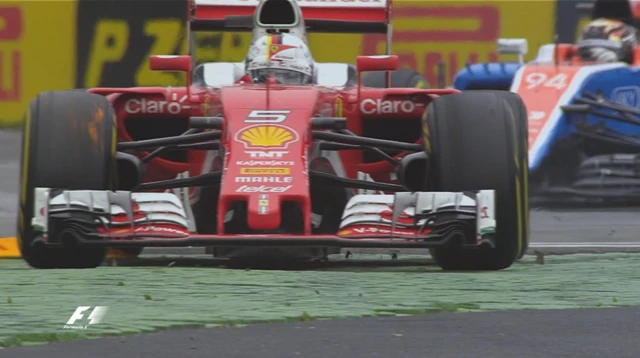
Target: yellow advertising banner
column 37, row 52
column 454, row 32
column 424, row 34
column 60, row 44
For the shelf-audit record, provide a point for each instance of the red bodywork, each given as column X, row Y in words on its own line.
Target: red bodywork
column 235, row 103
column 310, row 10
column 265, row 159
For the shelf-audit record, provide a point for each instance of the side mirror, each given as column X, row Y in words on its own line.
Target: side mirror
column 377, row 63
column 170, row 63
column 513, row 47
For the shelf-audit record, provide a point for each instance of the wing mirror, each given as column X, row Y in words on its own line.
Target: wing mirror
column 376, row 63
column 513, row 47
column 172, row 63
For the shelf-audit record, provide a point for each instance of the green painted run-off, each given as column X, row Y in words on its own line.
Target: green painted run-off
column 35, row 304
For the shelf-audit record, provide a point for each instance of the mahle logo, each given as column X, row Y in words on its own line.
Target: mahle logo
column 82, row 315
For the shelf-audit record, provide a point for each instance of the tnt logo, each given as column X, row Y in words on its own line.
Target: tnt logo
column 84, row 314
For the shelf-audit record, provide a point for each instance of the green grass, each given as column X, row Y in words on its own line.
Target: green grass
column 35, row 304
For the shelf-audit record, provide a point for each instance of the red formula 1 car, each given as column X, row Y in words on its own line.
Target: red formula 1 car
column 254, row 170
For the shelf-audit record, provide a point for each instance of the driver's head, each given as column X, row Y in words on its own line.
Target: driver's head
column 606, row 40
column 283, row 57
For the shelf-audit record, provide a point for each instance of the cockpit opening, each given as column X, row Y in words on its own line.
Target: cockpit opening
column 277, row 12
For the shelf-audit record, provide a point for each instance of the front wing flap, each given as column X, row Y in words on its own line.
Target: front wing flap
column 412, row 220
column 407, row 215
column 113, row 214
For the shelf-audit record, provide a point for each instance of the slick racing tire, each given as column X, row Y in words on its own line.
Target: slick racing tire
column 68, row 142
column 520, row 114
column 473, row 143
column 402, row 78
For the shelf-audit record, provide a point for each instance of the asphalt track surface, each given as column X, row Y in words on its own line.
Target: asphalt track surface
column 556, row 333
column 582, row 333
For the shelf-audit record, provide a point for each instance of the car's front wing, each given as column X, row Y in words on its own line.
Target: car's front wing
column 125, row 219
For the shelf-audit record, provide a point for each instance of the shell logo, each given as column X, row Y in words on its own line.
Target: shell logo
column 267, row 136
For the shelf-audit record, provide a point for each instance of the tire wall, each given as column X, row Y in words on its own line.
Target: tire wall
column 47, row 45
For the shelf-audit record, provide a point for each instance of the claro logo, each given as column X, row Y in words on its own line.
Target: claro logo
column 371, row 106
column 144, row 106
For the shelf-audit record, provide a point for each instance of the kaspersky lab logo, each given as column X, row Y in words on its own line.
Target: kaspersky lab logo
column 267, row 137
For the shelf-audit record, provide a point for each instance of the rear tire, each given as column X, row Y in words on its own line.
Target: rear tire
column 473, row 143
column 402, row 78
column 68, row 142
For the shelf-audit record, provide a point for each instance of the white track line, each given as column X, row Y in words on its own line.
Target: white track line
column 585, row 245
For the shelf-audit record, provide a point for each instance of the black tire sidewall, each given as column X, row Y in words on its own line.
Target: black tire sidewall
column 458, row 131
column 521, row 120
column 55, row 134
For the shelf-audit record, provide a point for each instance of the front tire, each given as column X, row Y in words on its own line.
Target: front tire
column 68, row 142
column 473, row 143
column 519, row 110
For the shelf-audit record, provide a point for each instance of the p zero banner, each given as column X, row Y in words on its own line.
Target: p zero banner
column 456, row 32
column 37, row 47
column 115, row 38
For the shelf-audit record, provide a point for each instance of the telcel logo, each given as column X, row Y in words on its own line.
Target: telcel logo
column 263, row 189
column 370, row 106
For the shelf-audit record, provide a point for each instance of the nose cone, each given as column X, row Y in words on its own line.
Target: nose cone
column 266, row 143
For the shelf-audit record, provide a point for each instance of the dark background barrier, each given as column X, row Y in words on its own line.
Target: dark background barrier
column 115, row 39
column 567, row 20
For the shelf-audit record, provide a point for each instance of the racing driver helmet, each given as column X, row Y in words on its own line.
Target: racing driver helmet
column 606, row 40
column 283, row 57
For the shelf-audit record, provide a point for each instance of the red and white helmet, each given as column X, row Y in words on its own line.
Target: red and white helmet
column 284, row 57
